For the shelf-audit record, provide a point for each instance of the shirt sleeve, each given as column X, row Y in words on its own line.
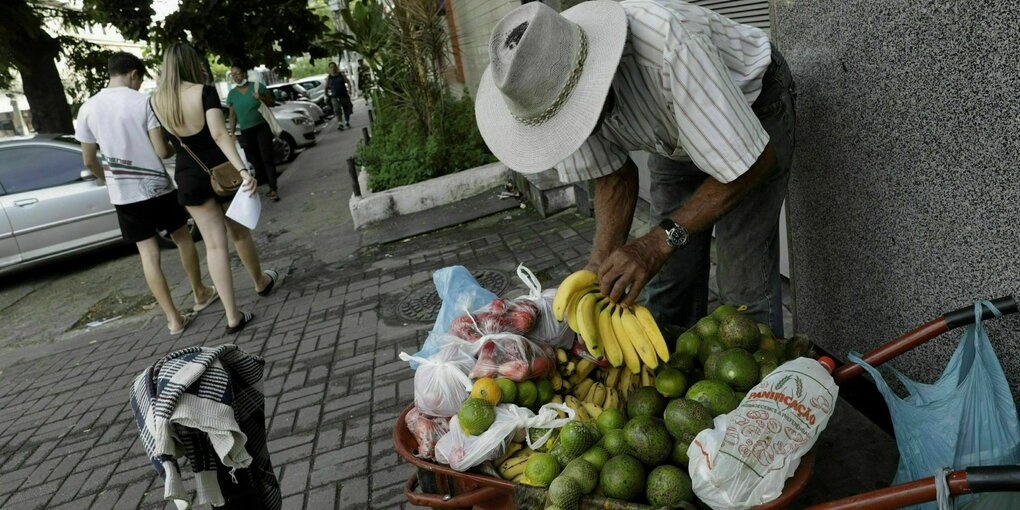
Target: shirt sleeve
column 717, row 128
column 597, row 157
column 151, row 122
column 210, row 99
column 82, row 132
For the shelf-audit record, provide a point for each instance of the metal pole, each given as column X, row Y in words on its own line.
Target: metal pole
column 371, row 117
column 352, row 169
column 364, row 132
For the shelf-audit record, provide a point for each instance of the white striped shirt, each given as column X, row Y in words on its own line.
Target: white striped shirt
column 684, row 89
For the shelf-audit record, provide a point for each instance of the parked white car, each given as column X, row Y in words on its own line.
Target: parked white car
column 298, row 131
column 292, row 97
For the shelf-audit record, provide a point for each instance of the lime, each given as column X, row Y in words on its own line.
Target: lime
column 709, row 346
column 596, row 456
column 707, row 327
column 583, row 472
column 527, row 393
column 508, row 390
column 717, row 396
column 710, row 365
column 737, row 368
column 689, row 343
column 541, row 469
column 645, row 401
column 610, row 419
column 723, row 311
column 545, row 392
column 765, row 368
column 671, row 383
column 623, row 477
column 681, row 361
column 763, row 356
column 614, row 442
column 476, row 415
column 765, row 330
column 487, row 390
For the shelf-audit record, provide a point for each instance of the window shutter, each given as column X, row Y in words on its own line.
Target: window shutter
column 748, row 12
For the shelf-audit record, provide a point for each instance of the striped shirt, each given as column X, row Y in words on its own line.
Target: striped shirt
column 684, row 89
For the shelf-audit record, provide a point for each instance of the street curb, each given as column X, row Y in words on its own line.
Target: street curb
column 418, row 197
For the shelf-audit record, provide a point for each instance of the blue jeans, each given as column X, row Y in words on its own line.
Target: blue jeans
column 747, row 238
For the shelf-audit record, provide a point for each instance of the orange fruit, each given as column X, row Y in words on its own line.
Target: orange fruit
column 488, row 390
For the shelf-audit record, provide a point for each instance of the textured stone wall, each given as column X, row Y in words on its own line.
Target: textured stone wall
column 905, row 200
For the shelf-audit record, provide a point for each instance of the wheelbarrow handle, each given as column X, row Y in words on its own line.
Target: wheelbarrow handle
column 919, row 336
column 972, row 480
column 467, row 500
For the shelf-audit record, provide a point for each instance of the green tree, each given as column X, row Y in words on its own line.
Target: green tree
column 368, row 31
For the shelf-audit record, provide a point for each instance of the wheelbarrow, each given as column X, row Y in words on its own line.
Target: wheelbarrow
column 443, row 487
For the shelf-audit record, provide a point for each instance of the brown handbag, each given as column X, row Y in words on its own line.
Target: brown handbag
column 224, row 178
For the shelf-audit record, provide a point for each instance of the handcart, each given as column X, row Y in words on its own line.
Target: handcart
column 442, row 487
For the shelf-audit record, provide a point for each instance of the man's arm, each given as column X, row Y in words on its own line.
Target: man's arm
column 266, row 97
column 625, row 272
column 615, row 199
column 159, row 144
column 90, row 156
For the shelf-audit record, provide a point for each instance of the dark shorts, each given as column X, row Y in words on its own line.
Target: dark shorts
column 142, row 220
column 343, row 103
column 194, row 188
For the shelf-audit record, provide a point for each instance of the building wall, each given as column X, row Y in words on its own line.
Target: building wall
column 474, row 20
column 903, row 198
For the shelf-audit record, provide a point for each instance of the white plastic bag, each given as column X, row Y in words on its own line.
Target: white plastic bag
column 547, row 329
column 745, row 459
column 441, row 383
column 462, row 451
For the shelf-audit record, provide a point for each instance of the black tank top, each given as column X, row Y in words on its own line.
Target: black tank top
column 201, row 143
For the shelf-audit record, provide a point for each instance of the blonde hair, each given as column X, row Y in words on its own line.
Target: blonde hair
column 181, row 63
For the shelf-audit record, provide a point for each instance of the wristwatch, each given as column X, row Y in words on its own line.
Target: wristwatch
column 676, row 234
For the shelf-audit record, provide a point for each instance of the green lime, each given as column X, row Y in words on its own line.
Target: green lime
column 541, row 469
column 508, row 390
column 645, row 401
column 476, row 416
column 596, row 456
column 717, row 396
column 707, row 327
column 685, row 417
column 708, row 347
column 545, row 392
column 689, row 343
column 611, row 419
column 527, row 394
column 723, row 311
column 671, row 383
column 737, row 368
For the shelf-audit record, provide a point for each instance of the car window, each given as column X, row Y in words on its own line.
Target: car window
column 31, row 168
column 281, row 95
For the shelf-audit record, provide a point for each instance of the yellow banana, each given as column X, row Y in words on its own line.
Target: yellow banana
column 639, row 339
column 646, row 377
column 571, row 312
column 510, row 451
column 513, row 466
column 582, row 388
column 586, row 319
column 652, row 330
column 568, row 287
column 569, row 369
column 612, row 399
column 567, row 386
column 561, row 355
column 613, row 377
column 610, row 344
column 593, row 410
column 584, row 367
column 520, row 479
column 556, row 380
column 589, row 396
column 556, row 399
column 599, row 397
column 578, row 407
column 630, row 355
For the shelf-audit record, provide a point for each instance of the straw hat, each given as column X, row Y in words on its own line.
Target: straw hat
column 548, row 76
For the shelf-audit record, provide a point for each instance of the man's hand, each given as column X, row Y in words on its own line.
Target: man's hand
column 626, row 271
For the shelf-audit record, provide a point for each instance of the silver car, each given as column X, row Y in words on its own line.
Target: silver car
column 51, row 206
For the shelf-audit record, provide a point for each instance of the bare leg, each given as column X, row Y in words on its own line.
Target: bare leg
column 189, row 259
column 249, row 254
column 149, row 252
column 211, row 222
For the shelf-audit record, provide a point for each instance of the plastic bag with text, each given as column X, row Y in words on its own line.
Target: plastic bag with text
column 547, row 329
column 745, row 459
column 512, row 356
column 441, row 383
column 462, row 451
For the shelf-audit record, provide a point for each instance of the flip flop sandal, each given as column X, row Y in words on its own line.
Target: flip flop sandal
column 186, row 319
column 212, row 299
column 246, row 317
column 273, row 278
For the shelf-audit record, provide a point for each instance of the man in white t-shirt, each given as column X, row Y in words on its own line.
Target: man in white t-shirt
column 122, row 144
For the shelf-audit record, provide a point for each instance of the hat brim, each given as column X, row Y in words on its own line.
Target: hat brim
column 531, row 149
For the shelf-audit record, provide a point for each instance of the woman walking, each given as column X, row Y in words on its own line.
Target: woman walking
column 256, row 137
column 190, row 112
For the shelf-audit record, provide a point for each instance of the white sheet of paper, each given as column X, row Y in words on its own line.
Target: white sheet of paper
column 245, row 209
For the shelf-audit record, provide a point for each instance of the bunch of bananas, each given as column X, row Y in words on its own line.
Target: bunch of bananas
column 624, row 382
column 511, row 465
column 621, row 335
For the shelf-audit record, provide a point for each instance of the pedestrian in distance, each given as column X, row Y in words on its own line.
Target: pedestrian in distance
column 123, row 146
column 256, row 135
column 338, row 88
column 190, row 112
column 710, row 99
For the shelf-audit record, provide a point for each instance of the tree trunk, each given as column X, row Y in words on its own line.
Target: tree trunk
column 35, row 60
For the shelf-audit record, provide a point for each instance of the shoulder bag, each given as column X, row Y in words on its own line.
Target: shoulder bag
column 224, row 178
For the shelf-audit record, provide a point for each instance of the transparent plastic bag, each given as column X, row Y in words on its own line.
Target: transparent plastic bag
column 547, row 329
column 965, row 418
column 427, row 430
column 441, row 383
column 462, row 451
column 517, row 316
column 512, row 356
column 459, row 291
column 745, row 459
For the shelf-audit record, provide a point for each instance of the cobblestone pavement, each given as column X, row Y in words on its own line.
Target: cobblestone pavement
column 330, row 336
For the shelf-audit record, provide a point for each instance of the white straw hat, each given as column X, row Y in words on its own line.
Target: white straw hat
column 547, row 79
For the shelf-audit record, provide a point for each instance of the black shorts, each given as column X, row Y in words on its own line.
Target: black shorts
column 142, row 220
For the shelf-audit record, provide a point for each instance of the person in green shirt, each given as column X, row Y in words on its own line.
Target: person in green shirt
column 256, row 137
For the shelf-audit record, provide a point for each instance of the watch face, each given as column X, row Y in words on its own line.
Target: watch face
column 676, row 237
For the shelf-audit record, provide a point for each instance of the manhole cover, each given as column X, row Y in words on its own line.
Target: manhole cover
column 422, row 304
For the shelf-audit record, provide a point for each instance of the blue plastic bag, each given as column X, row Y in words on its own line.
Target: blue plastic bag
column 460, row 294
column 965, row 418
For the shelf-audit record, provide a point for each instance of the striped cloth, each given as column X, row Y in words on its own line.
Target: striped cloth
column 206, row 404
column 684, row 89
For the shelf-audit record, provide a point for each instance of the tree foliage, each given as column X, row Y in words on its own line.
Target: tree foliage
column 368, row 31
